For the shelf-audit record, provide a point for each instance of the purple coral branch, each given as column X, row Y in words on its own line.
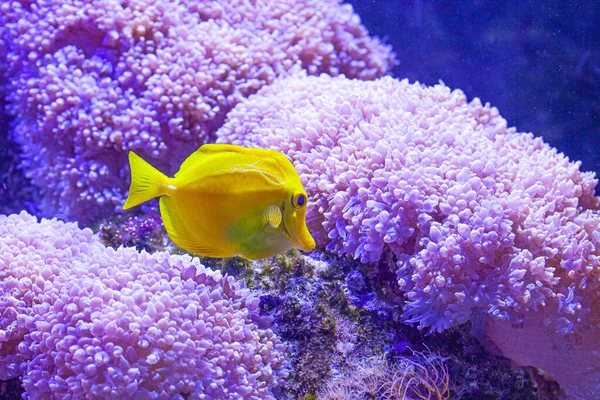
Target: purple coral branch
column 81, row 319
column 90, row 81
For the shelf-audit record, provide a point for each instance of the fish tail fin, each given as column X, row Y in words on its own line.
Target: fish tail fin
column 146, row 182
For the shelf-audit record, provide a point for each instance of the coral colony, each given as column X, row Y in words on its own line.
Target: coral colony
column 478, row 222
column 483, row 220
column 90, row 81
column 476, row 213
column 80, row 318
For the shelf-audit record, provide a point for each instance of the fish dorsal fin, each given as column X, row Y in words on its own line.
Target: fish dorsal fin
column 272, row 216
column 238, row 181
column 198, row 158
column 222, row 159
column 179, row 232
column 267, row 168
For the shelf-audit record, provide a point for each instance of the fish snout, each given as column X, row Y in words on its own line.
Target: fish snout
column 307, row 243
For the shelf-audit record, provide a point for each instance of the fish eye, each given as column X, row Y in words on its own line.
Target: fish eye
column 298, row 200
column 301, row 200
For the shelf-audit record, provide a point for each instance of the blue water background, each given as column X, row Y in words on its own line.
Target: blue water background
column 538, row 62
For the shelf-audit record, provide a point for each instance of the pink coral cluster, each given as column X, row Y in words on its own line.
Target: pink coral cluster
column 79, row 319
column 91, row 80
column 481, row 218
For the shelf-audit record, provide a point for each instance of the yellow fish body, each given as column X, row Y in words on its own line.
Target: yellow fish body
column 228, row 200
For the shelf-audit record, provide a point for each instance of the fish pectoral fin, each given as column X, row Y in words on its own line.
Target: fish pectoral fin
column 178, row 231
column 272, row 216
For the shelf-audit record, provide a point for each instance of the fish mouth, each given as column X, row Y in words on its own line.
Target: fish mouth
column 308, row 245
column 304, row 245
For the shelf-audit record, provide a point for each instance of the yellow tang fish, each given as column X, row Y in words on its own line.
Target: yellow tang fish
column 228, row 200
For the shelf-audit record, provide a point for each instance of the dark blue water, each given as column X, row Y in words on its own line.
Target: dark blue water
column 538, row 62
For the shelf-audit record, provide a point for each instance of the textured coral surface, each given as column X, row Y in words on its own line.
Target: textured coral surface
column 91, row 80
column 79, row 318
column 479, row 216
column 538, row 62
column 335, row 314
column 483, row 221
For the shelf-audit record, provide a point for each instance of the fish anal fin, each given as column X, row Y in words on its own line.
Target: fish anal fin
column 179, row 232
column 272, row 216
